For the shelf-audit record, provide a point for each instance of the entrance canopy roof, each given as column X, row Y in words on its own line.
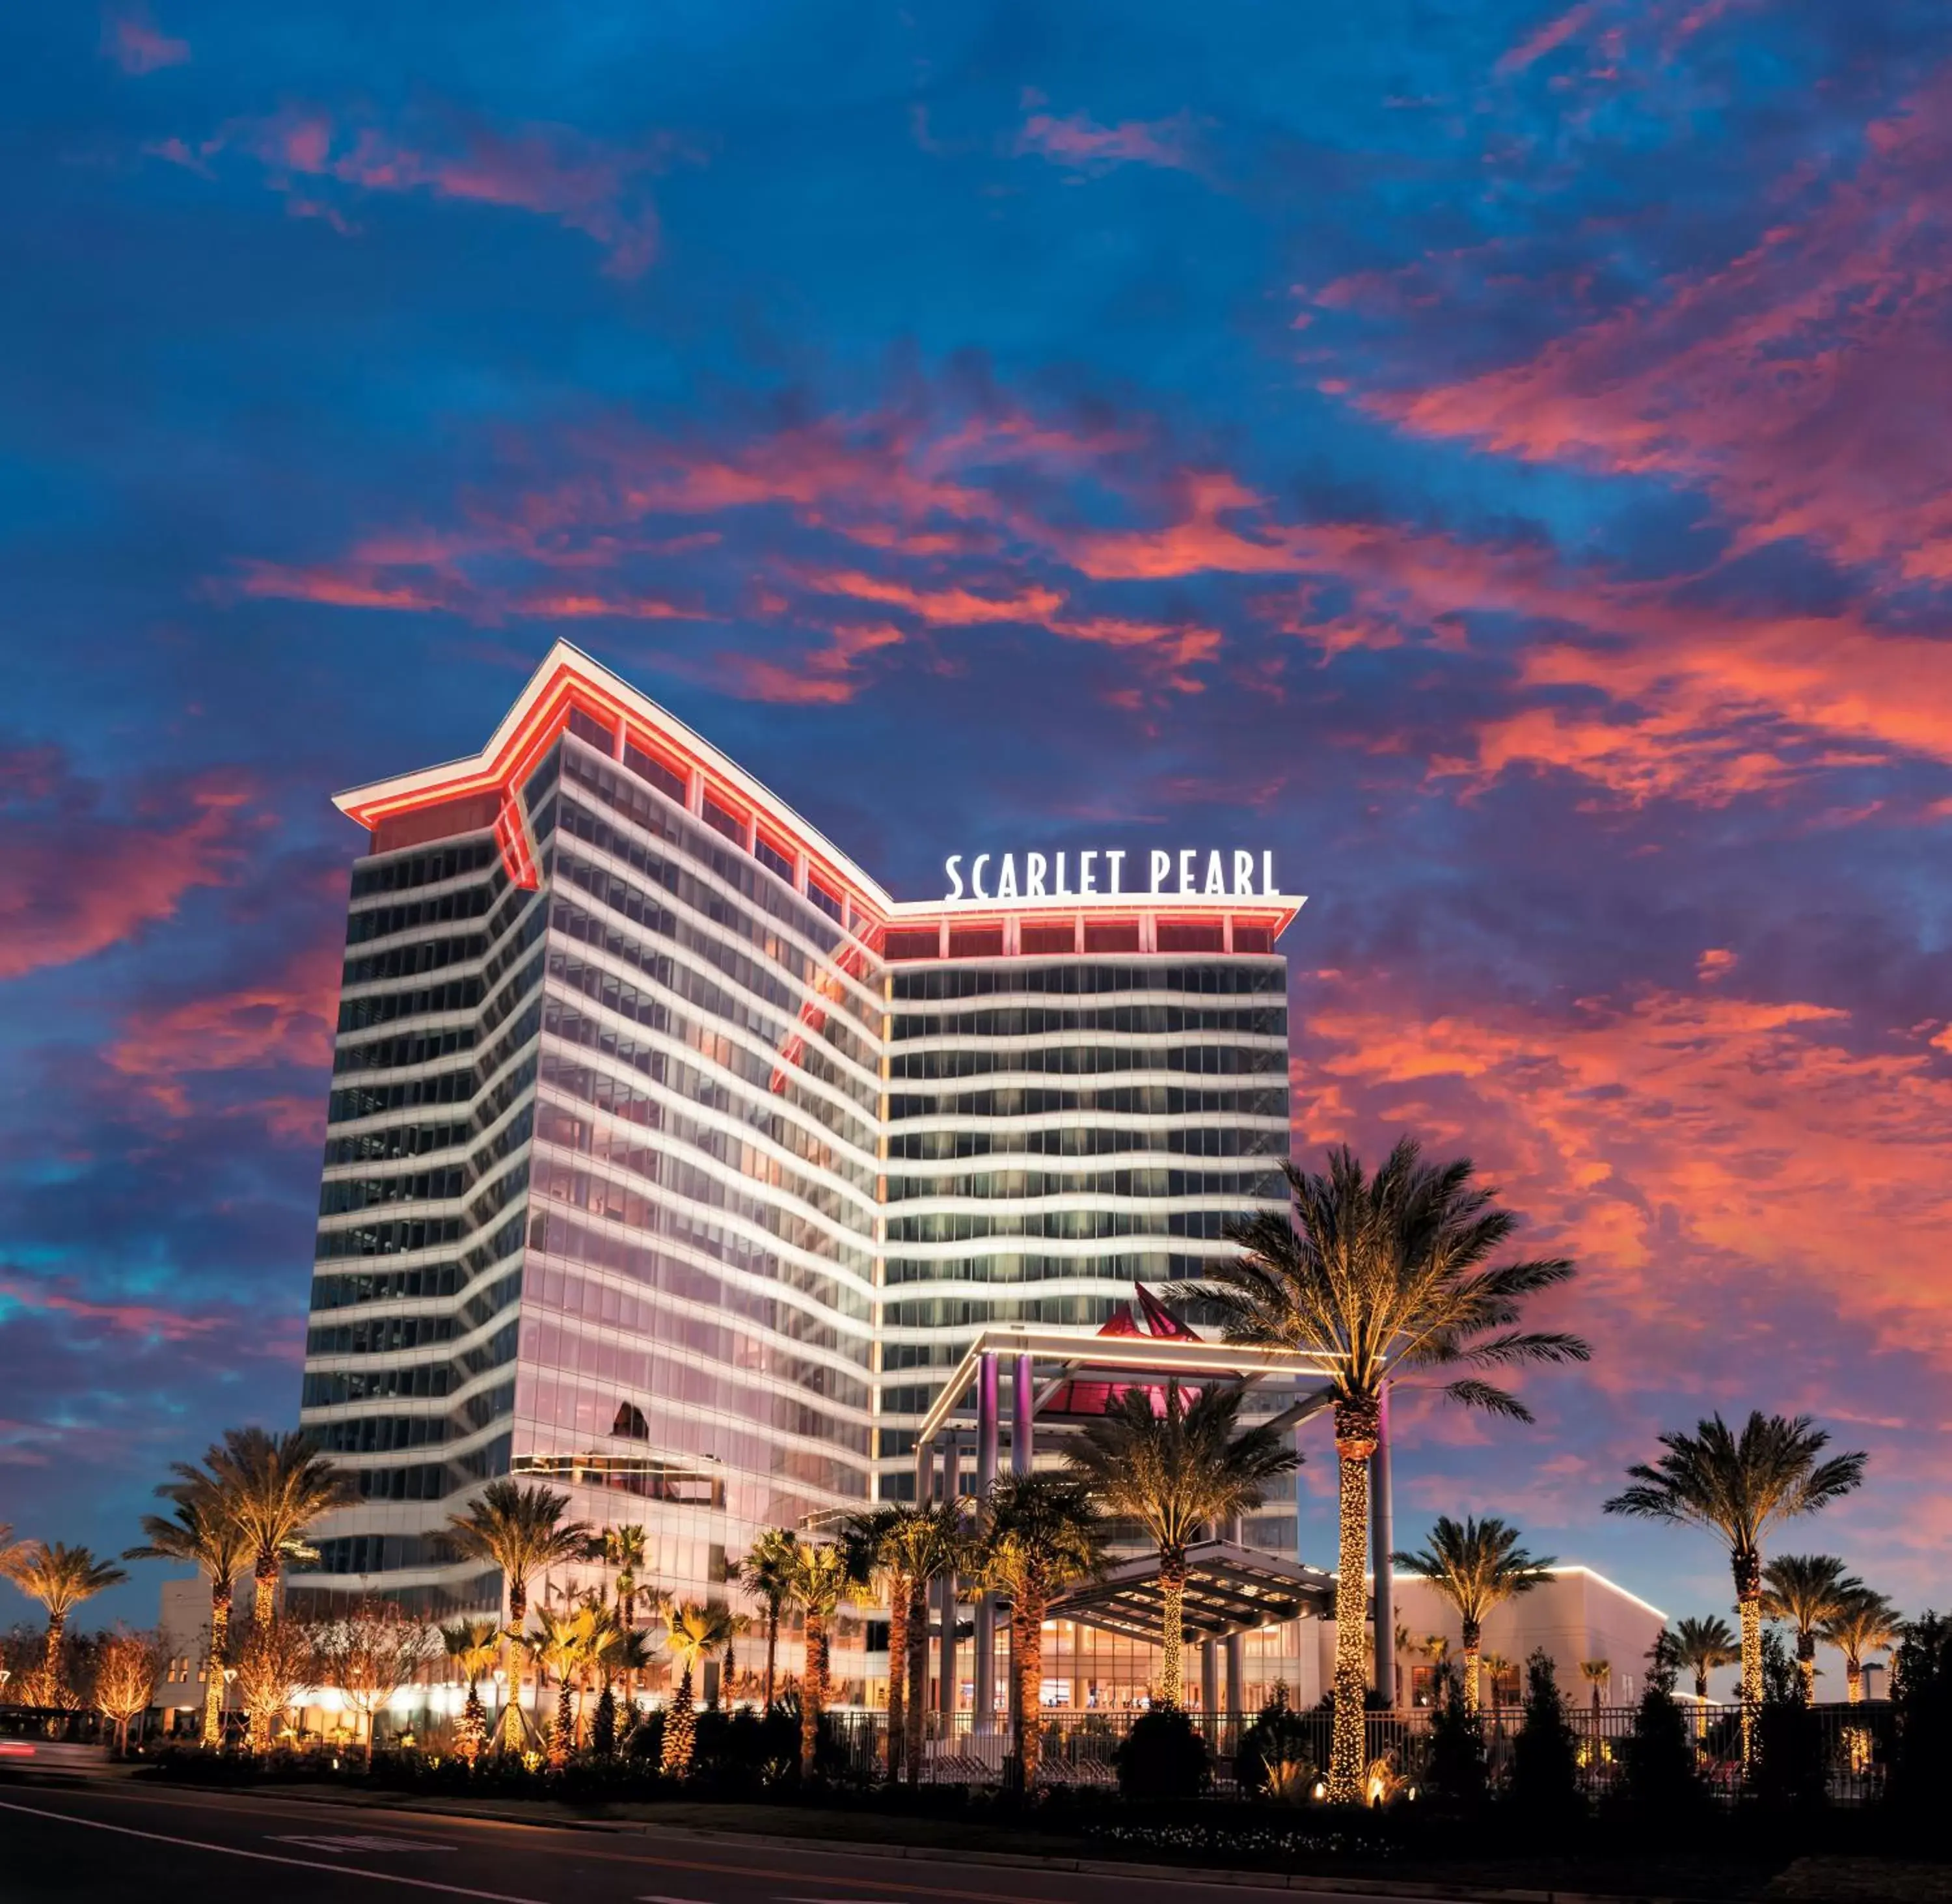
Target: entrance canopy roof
column 1229, row 1589
column 1058, row 1355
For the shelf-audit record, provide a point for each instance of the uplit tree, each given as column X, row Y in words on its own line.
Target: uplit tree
column 275, row 1668
column 127, row 1667
column 1803, row 1591
column 1383, row 1277
column 202, row 1535
column 1175, row 1468
column 820, row 1576
column 473, row 1646
column 1703, row 1645
column 1476, row 1565
column 695, row 1631
column 766, row 1573
column 1040, row 1533
column 521, row 1530
column 1739, row 1486
column 61, row 1577
column 368, row 1653
column 1865, row 1622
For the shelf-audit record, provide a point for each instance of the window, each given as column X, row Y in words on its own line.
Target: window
column 829, row 903
column 1191, row 935
column 667, row 780
column 587, row 726
column 1113, row 936
column 773, row 858
column 1252, row 939
column 1050, row 938
column 975, row 941
column 912, row 942
column 721, row 819
column 631, row 1422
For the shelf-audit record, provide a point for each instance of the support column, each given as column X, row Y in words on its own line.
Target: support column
column 1023, row 1429
column 945, row 1702
column 1382, row 1542
column 1210, row 1693
column 924, row 1487
column 987, row 1401
column 1236, row 1690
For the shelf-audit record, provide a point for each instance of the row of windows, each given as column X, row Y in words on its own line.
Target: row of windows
column 425, row 1280
column 956, row 1312
column 554, row 1285
column 1138, row 1100
column 561, row 1235
column 604, row 1144
column 686, row 983
column 1158, row 1181
column 1121, row 1266
column 385, row 1335
column 623, row 1100
column 396, row 1239
column 407, row 1048
column 1086, row 1140
column 1031, row 1021
column 382, row 1008
column 378, row 1434
column 412, row 961
column 926, row 983
column 422, row 1380
column 442, row 908
column 427, row 868
column 401, row 1141
column 622, row 1202
column 336, row 1197
column 449, row 1087
column 963, row 1226
column 1089, row 1060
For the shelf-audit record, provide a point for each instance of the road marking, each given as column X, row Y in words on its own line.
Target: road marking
column 268, row 1857
column 652, row 1897
column 353, row 1842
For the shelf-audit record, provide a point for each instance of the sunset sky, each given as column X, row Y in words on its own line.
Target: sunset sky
column 1494, row 454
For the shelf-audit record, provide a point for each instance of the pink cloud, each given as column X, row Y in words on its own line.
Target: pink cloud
column 1547, row 38
column 1080, row 143
column 131, row 38
column 74, row 880
column 121, row 1318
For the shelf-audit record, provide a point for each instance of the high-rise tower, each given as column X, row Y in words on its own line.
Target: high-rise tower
column 667, row 1156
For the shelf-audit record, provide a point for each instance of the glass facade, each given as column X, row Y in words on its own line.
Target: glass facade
column 668, row 1161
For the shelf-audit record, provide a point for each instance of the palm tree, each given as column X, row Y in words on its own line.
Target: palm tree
column 1383, row 1275
column 1494, row 1666
column 10, row 1549
column 1739, row 1486
column 563, row 1643
column 696, row 1631
column 1804, row 1590
column 1597, row 1674
column 1702, row 1645
column 60, row 1578
column 766, row 1573
column 274, row 1488
column 1866, row 1623
column 623, row 1549
column 1475, row 1567
column 820, row 1576
column 521, row 1531
column 200, row 1534
column 1174, row 1471
column 472, row 1645
column 1040, row 1533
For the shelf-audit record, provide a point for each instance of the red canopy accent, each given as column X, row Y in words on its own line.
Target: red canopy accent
column 1082, row 1397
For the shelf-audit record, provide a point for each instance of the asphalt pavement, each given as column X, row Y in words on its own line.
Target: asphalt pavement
column 79, row 1844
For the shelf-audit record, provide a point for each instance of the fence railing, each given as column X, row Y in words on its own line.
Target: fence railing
column 1845, row 1748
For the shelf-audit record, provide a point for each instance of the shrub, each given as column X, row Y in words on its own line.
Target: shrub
column 1658, row 1756
column 1788, row 1772
column 1278, row 1737
column 1457, row 1769
column 1161, row 1757
column 1921, row 1718
column 1545, row 1750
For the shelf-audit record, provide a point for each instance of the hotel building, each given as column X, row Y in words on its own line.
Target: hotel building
column 671, row 1160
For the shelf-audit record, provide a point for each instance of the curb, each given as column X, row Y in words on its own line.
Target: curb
column 1270, row 1881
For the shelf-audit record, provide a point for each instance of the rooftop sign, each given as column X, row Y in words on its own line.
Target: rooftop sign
column 1189, row 872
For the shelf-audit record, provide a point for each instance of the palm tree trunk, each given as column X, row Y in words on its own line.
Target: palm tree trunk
column 772, row 1647
column 1027, row 1657
column 1748, row 1570
column 264, row 1587
column 1854, row 1682
column 1806, row 1665
column 1172, row 1625
column 511, row 1726
column 812, row 1694
column 51, row 1655
column 213, row 1686
column 917, row 1672
column 898, row 1669
column 1474, row 1638
column 1356, row 1431
column 1701, row 1683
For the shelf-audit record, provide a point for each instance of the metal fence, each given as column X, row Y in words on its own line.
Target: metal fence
column 1844, row 1747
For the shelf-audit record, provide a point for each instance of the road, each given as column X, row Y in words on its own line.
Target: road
column 77, row 1844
